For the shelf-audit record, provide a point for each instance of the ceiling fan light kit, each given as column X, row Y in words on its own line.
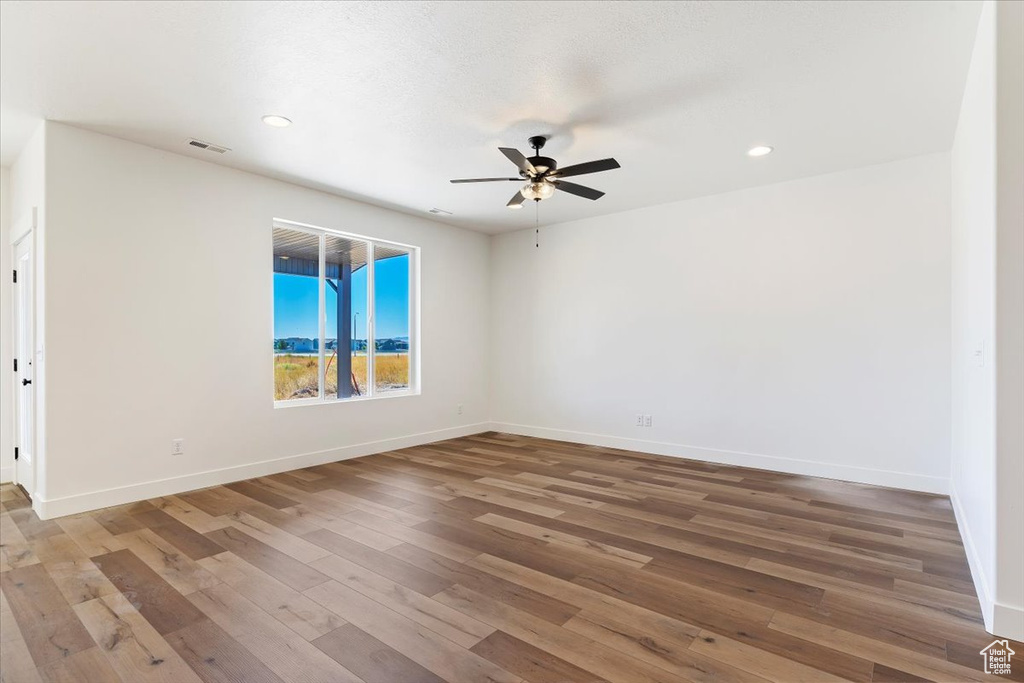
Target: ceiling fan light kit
column 543, row 175
column 537, row 190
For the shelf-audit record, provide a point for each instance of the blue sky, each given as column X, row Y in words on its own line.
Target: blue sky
column 295, row 302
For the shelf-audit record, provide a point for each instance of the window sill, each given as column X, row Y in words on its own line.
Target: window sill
column 302, row 402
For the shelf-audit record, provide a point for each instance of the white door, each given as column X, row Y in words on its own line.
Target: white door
column 24, row 347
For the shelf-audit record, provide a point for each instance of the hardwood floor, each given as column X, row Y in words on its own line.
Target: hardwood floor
column 495, row 558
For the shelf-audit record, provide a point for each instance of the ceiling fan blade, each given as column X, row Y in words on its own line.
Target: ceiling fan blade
column 517, row 200
column 517, row 158
column 586, row 167
column 578, row 190
column 483, row 180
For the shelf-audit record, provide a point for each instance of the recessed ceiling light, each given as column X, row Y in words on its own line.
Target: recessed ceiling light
column 276, row 121
column 759, row 151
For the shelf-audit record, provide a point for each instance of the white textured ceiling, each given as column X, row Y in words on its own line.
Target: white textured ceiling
column 390, row 100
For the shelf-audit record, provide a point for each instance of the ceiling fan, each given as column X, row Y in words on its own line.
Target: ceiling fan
column 543, row 176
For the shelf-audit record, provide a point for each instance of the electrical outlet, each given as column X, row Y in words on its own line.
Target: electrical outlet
column 458, row 409
column 639, row 420
column 647, row 420
column 177, row 446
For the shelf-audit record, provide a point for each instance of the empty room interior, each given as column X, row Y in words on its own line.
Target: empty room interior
column 511, row 342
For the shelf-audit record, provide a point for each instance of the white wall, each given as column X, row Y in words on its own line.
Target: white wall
column 1008, row 612
column 6, row 341
column 802, row 327
column 973, row 285
column 987, row 471
column 159, row 297
column 26, row 203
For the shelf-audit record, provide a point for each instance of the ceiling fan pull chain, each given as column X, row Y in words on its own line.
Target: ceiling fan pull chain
column 536, row 223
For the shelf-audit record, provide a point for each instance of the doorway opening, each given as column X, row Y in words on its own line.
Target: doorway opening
column 24, row 364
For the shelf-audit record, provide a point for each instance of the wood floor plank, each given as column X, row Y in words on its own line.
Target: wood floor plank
column 480, row 491
column 406, row 487
column 282, row 602
column 662, row 643
column 875, row 650
column 511, row 593
column 533, row 491
column 281, row 650
column 78, row 578
column 338, row 523
column 885, row 674
column 283, row 541
column 118, row 520
column 166, row 560
column 440, row 618
column 370, row 659
column 285, row 519
column 86, row 665
column 385, row 564
column 562, row 643
column 50, row 628
column 967, row 654
column 756, row 661
column 420, row 644
column 217, row 657
column 261, row 494
column 189, row 514
column 90, row 535
column 30, row 526
column 16, row 662
column 133, row 648
column 416, row 537
column 560, row 538
column 676, row 599
column 155, row 599
column 282, row 567
column 181, row 536
column 369, row 504
column 216, row 501
column 495, row 558
column 530, row 662
column 535, row 553
column 13, row 555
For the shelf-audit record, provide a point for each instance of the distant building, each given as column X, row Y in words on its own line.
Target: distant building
column 297, row 344
column 307, row 345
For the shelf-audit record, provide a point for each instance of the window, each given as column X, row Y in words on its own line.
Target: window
column 343, row 316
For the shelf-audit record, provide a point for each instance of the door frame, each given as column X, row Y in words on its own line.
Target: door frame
column 20, row 237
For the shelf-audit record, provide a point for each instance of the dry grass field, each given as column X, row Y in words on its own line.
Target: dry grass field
column 295, row 376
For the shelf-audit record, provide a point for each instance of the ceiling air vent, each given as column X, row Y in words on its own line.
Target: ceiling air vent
column 208, row 146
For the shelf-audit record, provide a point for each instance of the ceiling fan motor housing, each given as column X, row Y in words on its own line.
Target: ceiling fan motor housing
column 542, row 164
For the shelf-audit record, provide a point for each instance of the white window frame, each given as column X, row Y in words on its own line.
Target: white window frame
column 371, row 350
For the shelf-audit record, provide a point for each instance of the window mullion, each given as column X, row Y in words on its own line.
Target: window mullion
column 322, row 303
column 412, row 295
column 371, row 320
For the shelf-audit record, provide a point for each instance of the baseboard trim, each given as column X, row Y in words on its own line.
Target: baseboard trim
column 860, row 475
column 85, row 502
column 973, row 560
column 1005, row 621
